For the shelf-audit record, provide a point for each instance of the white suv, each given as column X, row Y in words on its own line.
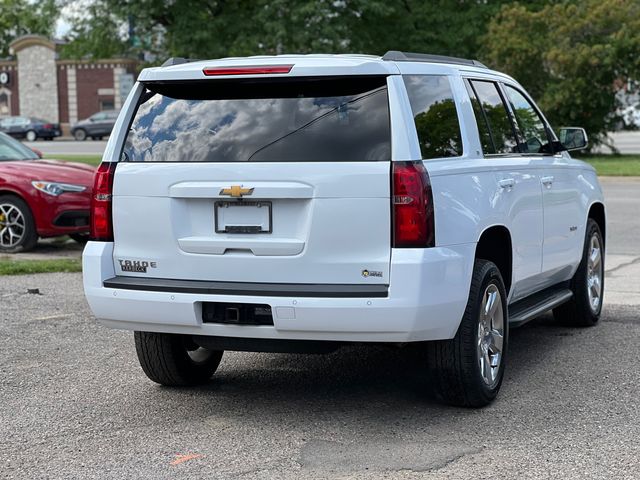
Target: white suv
column 300, row 203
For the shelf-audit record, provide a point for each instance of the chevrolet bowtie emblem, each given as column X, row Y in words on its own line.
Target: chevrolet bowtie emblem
column 236, row 191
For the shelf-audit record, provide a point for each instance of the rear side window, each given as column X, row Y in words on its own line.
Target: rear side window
column 495, row 117
column 435, row 115
column 258, row 120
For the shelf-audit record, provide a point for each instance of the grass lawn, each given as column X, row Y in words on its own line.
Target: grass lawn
column 23, row 267
column 89, row 159
column 615, row 165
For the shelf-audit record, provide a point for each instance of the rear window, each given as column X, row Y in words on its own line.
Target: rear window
column 284, row 120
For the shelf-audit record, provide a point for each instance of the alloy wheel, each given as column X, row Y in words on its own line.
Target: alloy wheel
column 12, row 225
column 490, row 334
column 594, row 274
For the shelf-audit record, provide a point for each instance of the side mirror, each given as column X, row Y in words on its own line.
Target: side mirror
column 573, row 138
column 37, row 152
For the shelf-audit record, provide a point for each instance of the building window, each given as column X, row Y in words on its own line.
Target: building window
column 106, row 104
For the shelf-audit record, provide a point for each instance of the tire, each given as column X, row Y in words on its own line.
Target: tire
column 174, row 360
column 16, row 219
column 456, row 366
column 583, row 310
column 31, row 136
column 80, row 135
column 81, row 238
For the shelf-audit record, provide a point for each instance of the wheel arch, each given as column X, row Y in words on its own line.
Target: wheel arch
column 15, row 193
column 496, row 246
column 598, row 214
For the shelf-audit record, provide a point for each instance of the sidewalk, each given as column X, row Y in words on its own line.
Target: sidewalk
column 622, row 280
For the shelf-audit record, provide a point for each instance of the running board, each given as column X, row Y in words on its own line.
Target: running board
column 532, row 307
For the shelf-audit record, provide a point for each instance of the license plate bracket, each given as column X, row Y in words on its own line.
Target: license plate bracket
column 243, row 217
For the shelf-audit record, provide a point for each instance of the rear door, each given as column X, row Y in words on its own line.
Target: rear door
column 257, row 180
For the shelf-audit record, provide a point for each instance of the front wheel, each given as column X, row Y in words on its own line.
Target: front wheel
column 17, row 228
column 31, row 136
column 174, row 360
column 587, row 284
column 80, row 135
column 467, row 371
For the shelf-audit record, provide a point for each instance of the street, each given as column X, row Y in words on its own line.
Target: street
column 75, row 403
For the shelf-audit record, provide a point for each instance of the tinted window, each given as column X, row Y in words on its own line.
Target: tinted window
column 483, row 126
column 532, row 128
column 435, row 115
column 495, row 111
column 302, row 120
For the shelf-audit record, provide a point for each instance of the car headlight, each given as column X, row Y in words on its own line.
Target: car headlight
column 55, row 188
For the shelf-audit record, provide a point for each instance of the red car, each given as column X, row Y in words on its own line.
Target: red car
column 40, row 198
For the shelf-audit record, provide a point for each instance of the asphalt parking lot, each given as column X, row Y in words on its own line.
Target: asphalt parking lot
column 75, row 403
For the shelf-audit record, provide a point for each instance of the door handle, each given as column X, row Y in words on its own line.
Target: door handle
column 507, row 183
column 547, row 181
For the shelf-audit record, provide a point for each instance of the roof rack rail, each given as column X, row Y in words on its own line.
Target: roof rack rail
column 396, row 56
column 177, row 61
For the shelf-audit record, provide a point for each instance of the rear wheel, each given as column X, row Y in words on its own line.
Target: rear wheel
column 17, row 228
column 174, row 360
column 467, row 370
column 583, row 310
column 80, row 134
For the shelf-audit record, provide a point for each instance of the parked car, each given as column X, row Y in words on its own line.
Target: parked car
column 97, row 126
column 302, row 203
column 40, row 198
column 29, row 128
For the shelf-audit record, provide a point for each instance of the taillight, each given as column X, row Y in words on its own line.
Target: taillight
column 412, row 203
column 252, row 70
column 101, row 220
column 47, row 126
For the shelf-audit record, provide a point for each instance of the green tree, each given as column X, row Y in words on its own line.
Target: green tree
column 96, row 32
column 22, row 17
column 213, row 28
column 571, row 56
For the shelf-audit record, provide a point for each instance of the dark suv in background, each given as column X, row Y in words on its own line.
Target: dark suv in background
column 96, row 126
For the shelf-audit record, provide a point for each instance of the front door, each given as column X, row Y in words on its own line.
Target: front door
column 518, row 194
column 564, row 224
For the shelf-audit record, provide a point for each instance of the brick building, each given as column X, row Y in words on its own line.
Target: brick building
column 36, row 83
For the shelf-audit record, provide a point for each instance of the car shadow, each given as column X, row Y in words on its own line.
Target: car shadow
column 355, row 380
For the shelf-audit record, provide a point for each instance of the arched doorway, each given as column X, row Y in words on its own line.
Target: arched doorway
column 5, row 102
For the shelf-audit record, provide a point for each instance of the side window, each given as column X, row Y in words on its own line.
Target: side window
column 532, row 128
column 435, row 115
column 497, row 117
column 481, row 119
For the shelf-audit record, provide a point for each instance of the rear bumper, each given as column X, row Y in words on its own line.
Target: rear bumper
column 426, row 298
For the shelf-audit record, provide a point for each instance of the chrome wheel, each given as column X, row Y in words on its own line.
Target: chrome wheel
column 490, row 334
column 594, row 273
column 12, row 225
